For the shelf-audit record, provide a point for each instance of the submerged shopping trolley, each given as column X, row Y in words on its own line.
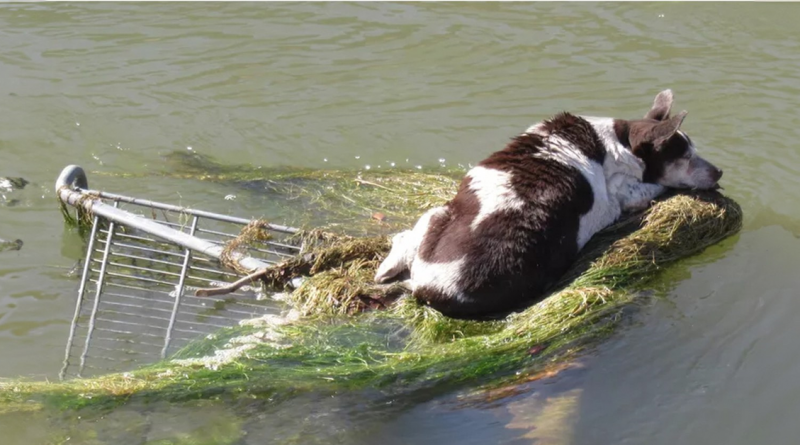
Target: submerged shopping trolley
column 144, row 259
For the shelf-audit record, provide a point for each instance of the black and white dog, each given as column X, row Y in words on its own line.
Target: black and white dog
column 521, row 216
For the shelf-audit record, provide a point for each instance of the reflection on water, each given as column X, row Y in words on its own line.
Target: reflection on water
column 117, row 87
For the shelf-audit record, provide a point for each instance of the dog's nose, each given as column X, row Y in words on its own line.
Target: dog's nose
column 717, row 173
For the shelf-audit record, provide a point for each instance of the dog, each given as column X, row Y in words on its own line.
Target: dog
column 521, row 215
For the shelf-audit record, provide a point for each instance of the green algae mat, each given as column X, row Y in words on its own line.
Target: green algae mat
column 343, row 333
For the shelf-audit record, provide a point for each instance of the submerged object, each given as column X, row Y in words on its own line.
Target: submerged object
column 10, row 245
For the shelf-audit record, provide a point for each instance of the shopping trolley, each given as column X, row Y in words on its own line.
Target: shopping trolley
column 144, row 260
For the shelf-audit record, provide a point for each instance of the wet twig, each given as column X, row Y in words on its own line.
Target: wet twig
column 233, row 287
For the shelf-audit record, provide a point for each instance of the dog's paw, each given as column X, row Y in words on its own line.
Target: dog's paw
column 384, row 273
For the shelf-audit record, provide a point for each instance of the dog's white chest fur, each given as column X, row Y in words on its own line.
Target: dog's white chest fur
column 613, row 183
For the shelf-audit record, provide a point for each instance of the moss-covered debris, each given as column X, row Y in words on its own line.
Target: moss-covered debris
column 8, row 184
column 10, row 244
column 409, row 347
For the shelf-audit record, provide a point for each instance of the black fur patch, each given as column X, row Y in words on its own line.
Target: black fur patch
column 622, row 129
column 642, row 135
column 656, row 159
column 513, row 255
column 579, row 133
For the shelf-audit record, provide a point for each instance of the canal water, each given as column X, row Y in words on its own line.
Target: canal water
column 119, row 88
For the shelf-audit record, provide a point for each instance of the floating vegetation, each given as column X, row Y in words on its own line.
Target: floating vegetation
column 8, row 184
column 9, row 187
column 340, row 343
column 10, row 244
column 356, row 202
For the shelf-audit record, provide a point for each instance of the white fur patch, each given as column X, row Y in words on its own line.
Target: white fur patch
column 600, row 215
column 404, row 247
column 562, row 151
column 631, row 194
column 494, row 192
column 603, row 211
column 622, row 159
column 691, row 171
column 620, row 164
column 398, row 259
column 678, row 173
column 537, row 129
column 443, row 277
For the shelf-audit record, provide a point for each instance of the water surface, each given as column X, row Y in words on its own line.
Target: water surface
column 117, row 87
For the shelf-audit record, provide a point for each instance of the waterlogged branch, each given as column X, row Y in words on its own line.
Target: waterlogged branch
column 233, row 287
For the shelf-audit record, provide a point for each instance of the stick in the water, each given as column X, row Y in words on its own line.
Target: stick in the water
column 233, row 287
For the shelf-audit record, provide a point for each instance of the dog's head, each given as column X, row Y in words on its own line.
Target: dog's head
column 669, row 156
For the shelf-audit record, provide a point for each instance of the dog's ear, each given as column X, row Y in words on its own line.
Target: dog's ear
column 661, row 106
column 664, row 130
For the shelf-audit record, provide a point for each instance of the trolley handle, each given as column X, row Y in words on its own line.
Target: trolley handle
column 73, row 177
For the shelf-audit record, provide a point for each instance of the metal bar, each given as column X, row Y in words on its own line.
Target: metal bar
column 232, row 311
column 127, row 352
column 121, row 340
column 214, row 271
column 139, row 268
column 273, row 252
column 238, row 302
column 231, row 319
column 151, row 280
column 196, row 332
column 266, row 243
column 147, row 249
column 171, row 224
column 96, row 296
column 156, row 291
column 209, row 324
column 183, row 340
column 256, row 249
column 117, row 331
column 271, row 243
column 130, row 323
column 110, row 359
column 177, row 209
column 179, row 291
column 151, row 291
column 144, row 239
column 150, row 300
column 144, row 269
column 137, row 257
column 133, row 315
column 131, row 229
column 78, row 304
column 137, row 306
column 135, row 278
column 129, row 219
column 202, row 259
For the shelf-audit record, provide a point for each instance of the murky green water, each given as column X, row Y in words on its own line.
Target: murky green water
column 116, row 87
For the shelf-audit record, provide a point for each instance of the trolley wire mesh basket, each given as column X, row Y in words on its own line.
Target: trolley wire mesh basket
column 135, row 301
